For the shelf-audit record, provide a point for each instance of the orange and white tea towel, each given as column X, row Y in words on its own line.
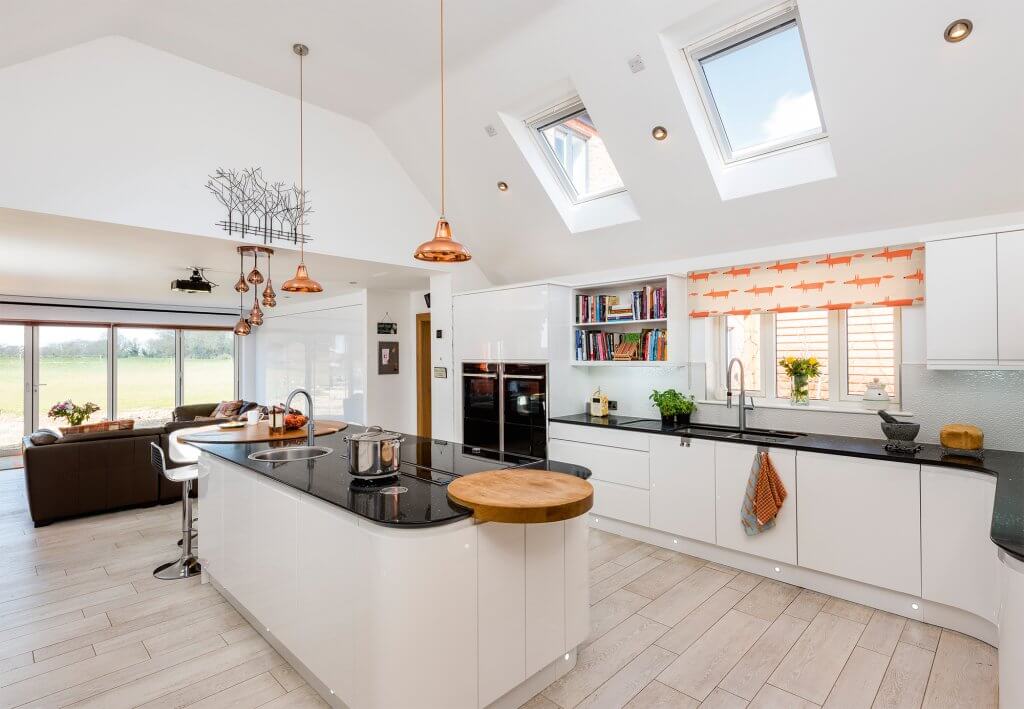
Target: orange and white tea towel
column 764, row 495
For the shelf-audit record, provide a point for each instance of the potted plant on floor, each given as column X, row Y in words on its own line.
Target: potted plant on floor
column 73, row 413
column 675, row 408
column 800, row 370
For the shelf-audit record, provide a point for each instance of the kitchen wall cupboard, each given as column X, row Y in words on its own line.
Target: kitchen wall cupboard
column 733, row 463
column 683, row 487
column 973, row 290
column 510, row 325
column 1010, row 252
column 960, row 564
column 861, row 519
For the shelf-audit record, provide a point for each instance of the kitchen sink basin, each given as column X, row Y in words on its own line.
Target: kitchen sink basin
column 766, row 437
column 284, row 455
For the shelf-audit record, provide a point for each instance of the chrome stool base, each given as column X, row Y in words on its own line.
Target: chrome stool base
column 180, row 569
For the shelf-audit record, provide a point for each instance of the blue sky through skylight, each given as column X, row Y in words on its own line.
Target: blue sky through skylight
column 763, row 90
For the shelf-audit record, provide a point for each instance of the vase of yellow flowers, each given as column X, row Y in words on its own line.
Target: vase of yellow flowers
column 801, row 370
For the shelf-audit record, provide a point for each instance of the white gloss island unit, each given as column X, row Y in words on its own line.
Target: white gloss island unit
column 385, row 598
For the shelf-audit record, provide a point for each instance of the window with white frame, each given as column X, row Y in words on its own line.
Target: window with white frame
column 757, row 87
column 576, row 152
column 854, row 348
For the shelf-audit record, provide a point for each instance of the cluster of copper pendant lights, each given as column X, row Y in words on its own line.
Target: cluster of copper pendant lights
column 301, row 283
column 441, row 249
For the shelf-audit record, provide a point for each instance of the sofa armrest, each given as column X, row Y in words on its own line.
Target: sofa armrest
column 189, row 412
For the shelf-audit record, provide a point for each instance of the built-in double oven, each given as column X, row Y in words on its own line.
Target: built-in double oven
column 504, row 407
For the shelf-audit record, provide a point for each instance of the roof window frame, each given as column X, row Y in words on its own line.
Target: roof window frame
column 552, row 116
column 732, row 39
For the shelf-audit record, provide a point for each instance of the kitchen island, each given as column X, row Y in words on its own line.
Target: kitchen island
column 388, row 594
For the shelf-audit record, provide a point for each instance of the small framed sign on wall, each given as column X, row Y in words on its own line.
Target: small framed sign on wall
column 387, row 358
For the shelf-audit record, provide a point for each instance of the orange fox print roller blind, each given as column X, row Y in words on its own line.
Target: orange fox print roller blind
column 892, row 276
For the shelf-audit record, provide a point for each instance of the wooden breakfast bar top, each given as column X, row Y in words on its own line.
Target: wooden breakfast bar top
column 260, row 433
column 522, row 496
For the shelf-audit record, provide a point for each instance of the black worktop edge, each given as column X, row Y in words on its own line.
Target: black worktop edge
column 1007, row 531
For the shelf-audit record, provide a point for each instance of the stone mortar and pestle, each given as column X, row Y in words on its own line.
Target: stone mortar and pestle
column 900, row 434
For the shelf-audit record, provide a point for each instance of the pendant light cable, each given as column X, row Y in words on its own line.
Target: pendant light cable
column 442, row 111
column 302, row 153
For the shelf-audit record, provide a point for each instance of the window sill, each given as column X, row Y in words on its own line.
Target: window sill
column 832, row 407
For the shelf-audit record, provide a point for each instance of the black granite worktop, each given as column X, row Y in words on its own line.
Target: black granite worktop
column 428, row 465
column 1008, row 466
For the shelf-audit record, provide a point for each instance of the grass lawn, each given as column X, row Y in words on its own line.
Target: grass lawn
column 144, row 384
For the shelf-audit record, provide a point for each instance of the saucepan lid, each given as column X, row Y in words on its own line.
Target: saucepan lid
column 376, row 433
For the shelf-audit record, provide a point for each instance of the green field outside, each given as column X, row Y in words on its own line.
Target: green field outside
column 145, row 386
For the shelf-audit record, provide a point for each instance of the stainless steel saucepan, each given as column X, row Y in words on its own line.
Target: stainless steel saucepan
column 374, row 453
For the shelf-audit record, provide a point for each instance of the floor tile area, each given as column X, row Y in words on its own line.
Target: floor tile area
column 672, row 631
column 83, row 623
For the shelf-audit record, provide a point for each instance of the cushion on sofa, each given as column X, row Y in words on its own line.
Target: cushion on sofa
column 44, row 437
column 227, row 409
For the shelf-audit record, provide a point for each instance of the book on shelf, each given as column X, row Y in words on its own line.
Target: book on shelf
column 605, row 346
column 647, row 303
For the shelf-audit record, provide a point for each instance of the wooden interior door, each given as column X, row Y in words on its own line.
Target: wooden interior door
column 423, row 375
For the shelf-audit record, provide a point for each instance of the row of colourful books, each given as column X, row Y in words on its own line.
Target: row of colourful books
column 647, row 303
column 602, row 346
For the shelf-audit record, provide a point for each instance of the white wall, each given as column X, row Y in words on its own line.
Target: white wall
column 391, row 398
column 115, row 131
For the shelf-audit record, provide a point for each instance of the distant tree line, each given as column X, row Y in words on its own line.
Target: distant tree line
column 199, row 344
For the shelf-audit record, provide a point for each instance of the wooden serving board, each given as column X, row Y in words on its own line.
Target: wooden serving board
column 522, row 496
column 260, row 433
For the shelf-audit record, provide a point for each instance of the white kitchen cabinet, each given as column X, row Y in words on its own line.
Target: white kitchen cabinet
column 511, row 324
column 1010, row 254
column 861, row 519
column 683, row 487
column 274, row 595
column 238, row 568
column 211, row 502
column 601, row 436
column 959, row 563
column 614, row 465
column 621, row 502
column 733, row 463
column 961, row 302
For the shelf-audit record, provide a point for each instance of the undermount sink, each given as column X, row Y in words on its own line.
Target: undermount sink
column 763, row 436
column 284, row 455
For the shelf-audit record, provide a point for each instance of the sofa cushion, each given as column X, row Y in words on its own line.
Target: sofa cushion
column 44, row 437
column 227, row 409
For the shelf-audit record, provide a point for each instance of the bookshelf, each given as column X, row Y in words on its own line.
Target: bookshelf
column 661, row 328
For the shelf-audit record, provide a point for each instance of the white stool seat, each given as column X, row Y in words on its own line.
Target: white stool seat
column 182, row 451
column 180, row 475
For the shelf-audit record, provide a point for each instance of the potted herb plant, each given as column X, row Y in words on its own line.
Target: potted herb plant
column 73, row 413
column 675, row 408
column 800, row 370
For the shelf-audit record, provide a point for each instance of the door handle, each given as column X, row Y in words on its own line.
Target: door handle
column 482, row 376
column 523, row 376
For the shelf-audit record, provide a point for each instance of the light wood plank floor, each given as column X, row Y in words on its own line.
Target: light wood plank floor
column 84, row 624
column 670, row 630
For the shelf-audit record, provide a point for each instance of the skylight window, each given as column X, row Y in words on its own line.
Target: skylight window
column 577, row 154
column 758, row 89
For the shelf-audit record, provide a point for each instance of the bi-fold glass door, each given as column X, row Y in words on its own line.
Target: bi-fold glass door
column 126, row 371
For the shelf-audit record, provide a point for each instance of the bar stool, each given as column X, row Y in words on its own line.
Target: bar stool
column 187, row 565
column 182, row 453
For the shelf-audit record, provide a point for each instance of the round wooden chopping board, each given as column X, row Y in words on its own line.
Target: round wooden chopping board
column 260, row 433
column 522, row 496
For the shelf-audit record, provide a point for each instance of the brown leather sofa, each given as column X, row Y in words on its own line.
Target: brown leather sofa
column 90, row 473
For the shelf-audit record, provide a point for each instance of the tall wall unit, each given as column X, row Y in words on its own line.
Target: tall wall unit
column 974, row 286
column 673, row 321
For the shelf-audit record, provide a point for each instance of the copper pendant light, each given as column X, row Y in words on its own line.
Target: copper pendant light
column 254, row 277
column 442, row 248
column 302, row 283
column 242, row 327
column 241, row 286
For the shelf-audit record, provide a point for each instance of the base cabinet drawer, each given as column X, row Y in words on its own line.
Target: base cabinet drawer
column 959, row 562
column 733, row 463
column 599, row 436
column 613, row 465
column 861, row 519
column 621, row 502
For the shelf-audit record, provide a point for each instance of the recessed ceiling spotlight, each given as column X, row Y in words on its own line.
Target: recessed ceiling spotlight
column 659, row 133
column 958, row 30
column 502, row 186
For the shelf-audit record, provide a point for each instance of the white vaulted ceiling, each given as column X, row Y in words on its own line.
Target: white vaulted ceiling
column 922, row 131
